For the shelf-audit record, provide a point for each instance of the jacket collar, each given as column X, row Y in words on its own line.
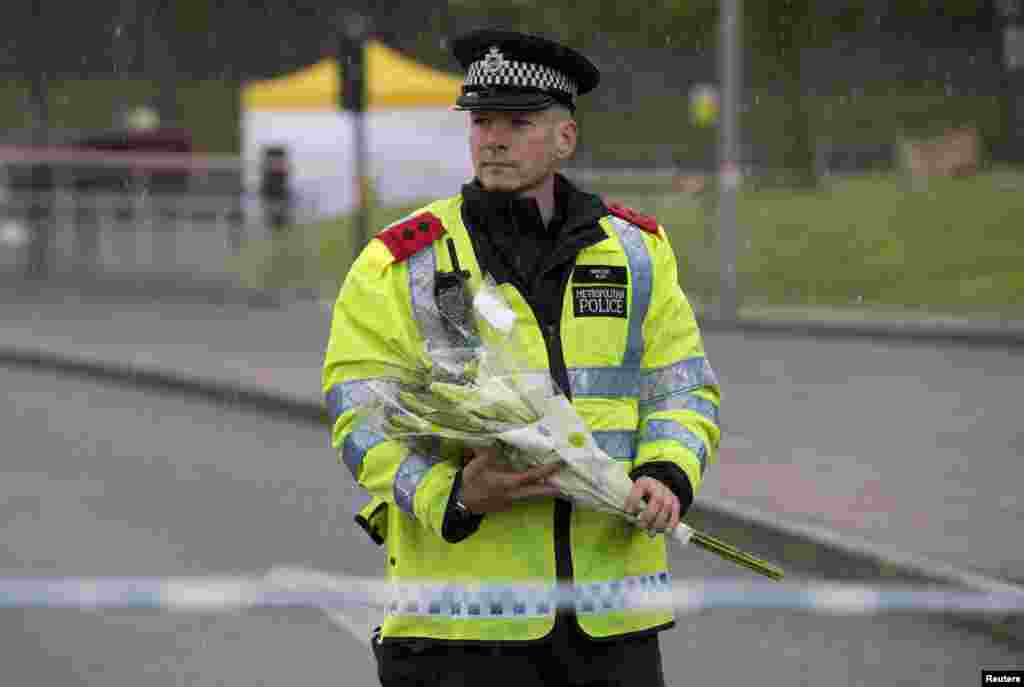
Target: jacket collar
column 574, row 209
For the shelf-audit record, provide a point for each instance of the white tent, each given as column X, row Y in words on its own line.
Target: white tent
column 417, row 145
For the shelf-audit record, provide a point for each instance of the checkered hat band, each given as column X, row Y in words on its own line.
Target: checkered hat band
column 520, row 75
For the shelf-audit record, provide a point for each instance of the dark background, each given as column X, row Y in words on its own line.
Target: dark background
column 187, row 58
column 236, row 39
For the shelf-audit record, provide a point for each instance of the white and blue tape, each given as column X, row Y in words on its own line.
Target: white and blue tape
column 303, row 588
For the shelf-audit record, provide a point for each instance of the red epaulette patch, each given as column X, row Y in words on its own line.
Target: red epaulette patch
column 645, row 222
column 411, row 236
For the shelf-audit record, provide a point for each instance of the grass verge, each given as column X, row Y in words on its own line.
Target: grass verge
column 875, row 242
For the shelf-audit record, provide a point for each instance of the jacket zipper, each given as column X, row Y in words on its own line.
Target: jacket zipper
column 563, row 507
column 559, row 372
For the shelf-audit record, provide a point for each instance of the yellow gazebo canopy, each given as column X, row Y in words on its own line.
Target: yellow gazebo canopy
column 393, row 82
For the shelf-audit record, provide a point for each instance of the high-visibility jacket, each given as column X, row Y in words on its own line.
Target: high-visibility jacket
column 639, row 378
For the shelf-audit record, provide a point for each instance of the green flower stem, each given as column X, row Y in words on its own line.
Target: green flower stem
column 731, row 553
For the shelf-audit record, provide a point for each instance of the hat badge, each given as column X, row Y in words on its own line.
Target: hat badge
column 494, row 61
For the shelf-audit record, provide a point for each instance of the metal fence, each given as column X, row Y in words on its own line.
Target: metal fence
column 906, row 229
column 144, row 216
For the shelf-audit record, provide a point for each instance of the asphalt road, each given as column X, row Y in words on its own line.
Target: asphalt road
column 100, row 480
column 914, row 447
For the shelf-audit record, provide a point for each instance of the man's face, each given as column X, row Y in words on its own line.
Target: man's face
column 516, row 151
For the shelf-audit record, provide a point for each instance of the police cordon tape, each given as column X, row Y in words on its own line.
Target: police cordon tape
column 301, row 588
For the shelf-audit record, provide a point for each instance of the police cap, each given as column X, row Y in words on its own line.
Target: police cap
column 506, row 70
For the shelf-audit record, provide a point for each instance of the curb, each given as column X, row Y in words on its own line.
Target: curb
column 824, row 551
column 274, row 404
column 147, row 288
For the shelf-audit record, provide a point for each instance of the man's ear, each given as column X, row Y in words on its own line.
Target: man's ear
column 565, row 139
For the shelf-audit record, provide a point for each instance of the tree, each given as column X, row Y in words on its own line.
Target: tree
column 777, row 35
column 777, row 39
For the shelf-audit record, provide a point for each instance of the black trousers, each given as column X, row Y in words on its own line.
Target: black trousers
column 569, row 658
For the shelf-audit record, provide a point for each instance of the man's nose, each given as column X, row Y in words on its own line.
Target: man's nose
column 496, row 135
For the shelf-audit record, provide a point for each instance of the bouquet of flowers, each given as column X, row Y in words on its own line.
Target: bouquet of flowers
column 479, row 393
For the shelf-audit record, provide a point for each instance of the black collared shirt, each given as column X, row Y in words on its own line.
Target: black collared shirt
column 513, row 244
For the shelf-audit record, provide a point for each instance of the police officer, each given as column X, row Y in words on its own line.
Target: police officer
column 596, row 290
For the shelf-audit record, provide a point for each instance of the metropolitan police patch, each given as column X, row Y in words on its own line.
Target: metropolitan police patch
column 599, row 301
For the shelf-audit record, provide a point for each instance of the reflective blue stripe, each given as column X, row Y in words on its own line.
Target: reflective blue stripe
column 607, row 382
column 518, row 601
column 335, row 402
column 407, row 479
column 685, row 375
column 345, row 396
column 693, row 402
column 422, row 268
column 603, row 382
column 619, row 444
column 356, row 444
column 623, row 380
column 648, row 385
column 658, row 430
column 639, row 260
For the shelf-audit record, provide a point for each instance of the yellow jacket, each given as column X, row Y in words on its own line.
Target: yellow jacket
column 639, row 378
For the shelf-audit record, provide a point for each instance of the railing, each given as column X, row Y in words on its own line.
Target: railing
column 65, row 212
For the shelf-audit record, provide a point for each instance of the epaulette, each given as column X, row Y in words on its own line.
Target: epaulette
column 645, row 222
column 412, row 235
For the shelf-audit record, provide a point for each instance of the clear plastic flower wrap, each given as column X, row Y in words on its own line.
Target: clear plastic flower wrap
column 479, row 391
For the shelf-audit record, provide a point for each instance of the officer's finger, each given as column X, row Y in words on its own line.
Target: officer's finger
column 537, row 474
column 664, row 515
column 533, row 491
column 485, row 453
column 674, row 520
column 648, row 516
column 659, row 504
column 634, row 502
column 655, row 505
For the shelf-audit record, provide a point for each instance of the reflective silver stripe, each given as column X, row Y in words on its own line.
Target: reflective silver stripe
column 356, row 444
column 619, row 444
column 649, row 385
column 685, row 375
column 623, row 380
column 345, row 396
column 422, row 267
column 697, row 404
column 639, row 259
column 507, row 601
column 658, row 430
column 407, row 479
column 608, row 382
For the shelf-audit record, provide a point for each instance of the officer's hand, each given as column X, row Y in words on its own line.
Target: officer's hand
column 490, row 485
column 661, row 511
